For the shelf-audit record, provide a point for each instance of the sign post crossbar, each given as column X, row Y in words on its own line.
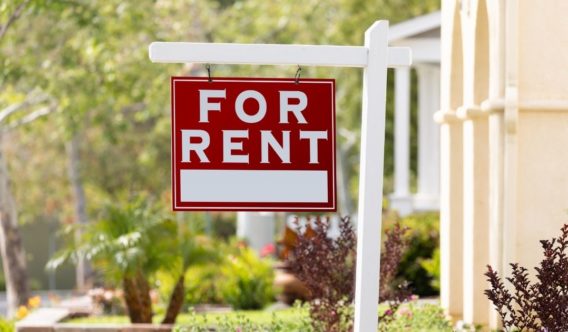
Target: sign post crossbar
column 374, row 57
column 272, row 54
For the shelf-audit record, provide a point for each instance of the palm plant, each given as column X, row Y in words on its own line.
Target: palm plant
column 191, row 249
column 129, row 245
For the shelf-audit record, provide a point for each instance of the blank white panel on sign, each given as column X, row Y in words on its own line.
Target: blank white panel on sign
column 200, row 185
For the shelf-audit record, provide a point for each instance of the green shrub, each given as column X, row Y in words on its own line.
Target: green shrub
column 202, row 285
column 424, row 240
column 415, row 317
column 6, row 325
column 247, row 281
column 432, row 266
column 205, row 283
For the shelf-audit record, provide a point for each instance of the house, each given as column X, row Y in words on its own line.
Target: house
column 422, row 35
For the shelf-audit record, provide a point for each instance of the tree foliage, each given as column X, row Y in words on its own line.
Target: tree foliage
column 93, row 63
column 89, row 60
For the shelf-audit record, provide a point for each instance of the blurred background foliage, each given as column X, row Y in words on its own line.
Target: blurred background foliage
column 420, row 263
column 89, row 59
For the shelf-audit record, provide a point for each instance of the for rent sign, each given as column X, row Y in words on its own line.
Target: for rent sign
column 253, row 144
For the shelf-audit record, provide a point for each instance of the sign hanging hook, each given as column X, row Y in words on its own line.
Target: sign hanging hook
column 208, row 68
column 297, row 76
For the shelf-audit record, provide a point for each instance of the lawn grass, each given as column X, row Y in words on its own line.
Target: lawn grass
column 205, row 319
column 257, row 316
column 411, row 317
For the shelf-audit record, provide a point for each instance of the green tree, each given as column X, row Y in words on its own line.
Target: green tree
column 18, row 109
column 94, row 67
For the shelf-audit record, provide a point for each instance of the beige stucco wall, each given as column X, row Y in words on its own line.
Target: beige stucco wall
column 543, row 50
column 542, row 130
column 542, row 189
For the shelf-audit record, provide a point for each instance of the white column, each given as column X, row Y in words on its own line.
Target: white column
column 451, row 214
column 428, row 195
column 257, row 228
column 401, row 199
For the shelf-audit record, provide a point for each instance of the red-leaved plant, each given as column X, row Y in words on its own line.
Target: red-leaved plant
column 538, row 306
column 327, row 268
column 390, row 291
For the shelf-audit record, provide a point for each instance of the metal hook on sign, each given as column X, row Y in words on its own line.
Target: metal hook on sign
column 297, row 76
column 208, row 67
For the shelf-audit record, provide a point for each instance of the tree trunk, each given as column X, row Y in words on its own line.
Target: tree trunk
column 176, row 301
column 74, row 158
column 137, row 298
column 11, row 246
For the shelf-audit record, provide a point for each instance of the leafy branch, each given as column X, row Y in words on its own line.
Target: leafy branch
column 13, row 17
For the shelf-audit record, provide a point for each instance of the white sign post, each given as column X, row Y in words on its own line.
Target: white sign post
column 374, row 57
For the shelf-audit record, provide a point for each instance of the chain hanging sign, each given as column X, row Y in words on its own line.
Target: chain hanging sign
column 230, row 134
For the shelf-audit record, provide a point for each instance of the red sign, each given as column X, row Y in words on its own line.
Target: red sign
column 246, row 144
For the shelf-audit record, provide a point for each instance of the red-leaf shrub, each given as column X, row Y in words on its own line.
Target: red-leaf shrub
column 327, row 267
column 538, row 306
